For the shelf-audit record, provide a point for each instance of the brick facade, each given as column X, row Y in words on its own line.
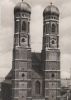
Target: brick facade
column 35, row 76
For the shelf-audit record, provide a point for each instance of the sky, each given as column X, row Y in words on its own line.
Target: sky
column 36, row 31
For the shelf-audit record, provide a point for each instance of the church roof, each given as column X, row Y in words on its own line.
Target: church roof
column 36, row 58
column 36, row 63
column 9, row 75
column 8, row 78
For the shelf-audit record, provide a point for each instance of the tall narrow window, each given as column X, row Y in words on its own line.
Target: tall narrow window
column 28, row 27
column 53, row 27
column 57, row 41
column 57, row 28
column 44, row 28
column 23, row 26
column 48, row 28
column 17, row 26
column 37, row 87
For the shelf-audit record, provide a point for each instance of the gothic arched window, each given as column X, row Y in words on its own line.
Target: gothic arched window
column 57, row 28
column 48, row 28
column 37, row 87
column 23, row 26
column 44, row 28
column 53, row 27
column 53, row 75
column 28, row 27
column 17, row 26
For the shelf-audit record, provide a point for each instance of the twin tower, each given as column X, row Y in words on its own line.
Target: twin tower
column 36, row 76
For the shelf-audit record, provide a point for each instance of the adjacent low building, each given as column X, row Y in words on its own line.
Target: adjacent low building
column 6, row 87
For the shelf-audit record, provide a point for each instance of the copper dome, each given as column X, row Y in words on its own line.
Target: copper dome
column 22, row 6
column 51, row 9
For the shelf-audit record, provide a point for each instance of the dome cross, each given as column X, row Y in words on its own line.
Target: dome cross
column 22, row 0
column 51, row 3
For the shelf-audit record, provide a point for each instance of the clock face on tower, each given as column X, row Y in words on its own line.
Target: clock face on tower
column 23, row 41
column 53, row 42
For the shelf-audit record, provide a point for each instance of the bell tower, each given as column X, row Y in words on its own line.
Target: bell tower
column 21, row 81
column 51, row 52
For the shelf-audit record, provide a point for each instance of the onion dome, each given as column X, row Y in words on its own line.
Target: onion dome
column 22, row 6
column 51, row 9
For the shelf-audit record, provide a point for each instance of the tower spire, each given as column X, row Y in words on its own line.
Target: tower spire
column 51, row 3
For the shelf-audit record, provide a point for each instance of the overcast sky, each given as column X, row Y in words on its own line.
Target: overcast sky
column 7, row 32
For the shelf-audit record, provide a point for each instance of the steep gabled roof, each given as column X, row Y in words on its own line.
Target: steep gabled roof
column 8, row 78
column 36, row 58
column 9, row 75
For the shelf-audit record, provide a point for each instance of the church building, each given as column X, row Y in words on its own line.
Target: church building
column 34, row 76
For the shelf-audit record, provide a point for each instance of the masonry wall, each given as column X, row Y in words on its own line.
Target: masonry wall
column 6, row 91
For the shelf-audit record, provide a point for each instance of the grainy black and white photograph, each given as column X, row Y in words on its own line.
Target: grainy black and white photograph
column 35, row 49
